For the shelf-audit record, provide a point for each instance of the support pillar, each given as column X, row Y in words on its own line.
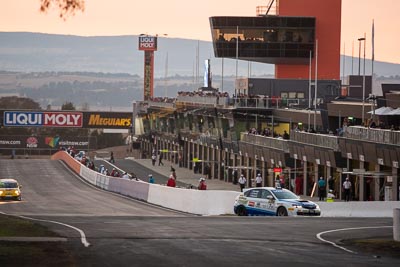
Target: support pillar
column 247, row 175
column 395, row 185
column 361, row 190
column 264, row 172
column 305, row 174
column 328, row 175
column 377, row 183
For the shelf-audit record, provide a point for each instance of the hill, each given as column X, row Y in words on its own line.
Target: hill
column 37, row 52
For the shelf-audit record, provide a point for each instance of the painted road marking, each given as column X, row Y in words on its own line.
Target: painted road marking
column 83, row 236
column 345, row 229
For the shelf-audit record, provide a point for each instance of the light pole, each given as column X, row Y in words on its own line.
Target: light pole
column 359, row 55
column 237, row 58
column 363, row 93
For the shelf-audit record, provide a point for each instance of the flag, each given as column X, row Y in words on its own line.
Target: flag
column 373, row 41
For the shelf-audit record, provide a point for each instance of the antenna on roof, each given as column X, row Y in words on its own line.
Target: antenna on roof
column 271, row 2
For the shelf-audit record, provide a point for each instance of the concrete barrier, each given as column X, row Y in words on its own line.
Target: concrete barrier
column 70, row 161
column 208, row 202
column 214, row 202
column 131, row 188
column 358, row 208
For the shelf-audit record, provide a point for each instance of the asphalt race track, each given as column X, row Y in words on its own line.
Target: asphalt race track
column 126, row 232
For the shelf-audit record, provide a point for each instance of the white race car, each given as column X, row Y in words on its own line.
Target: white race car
column 270, row 201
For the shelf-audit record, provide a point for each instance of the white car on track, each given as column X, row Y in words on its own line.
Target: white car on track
column 270, row 201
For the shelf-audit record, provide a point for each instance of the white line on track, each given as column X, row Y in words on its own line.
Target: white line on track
column 83, row 236
column 345, row 229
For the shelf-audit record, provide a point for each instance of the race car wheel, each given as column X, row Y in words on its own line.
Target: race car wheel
column 281, row 212
column 241, row 211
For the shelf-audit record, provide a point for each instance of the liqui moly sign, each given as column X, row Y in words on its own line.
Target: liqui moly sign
column 148, row 43
column 43, row 119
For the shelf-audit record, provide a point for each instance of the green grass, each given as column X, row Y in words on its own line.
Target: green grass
column 31, row 253
column 13, row 226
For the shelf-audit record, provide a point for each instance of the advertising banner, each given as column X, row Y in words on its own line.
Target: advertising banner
column 42, row 119
column 148, row 43
column 47, row 142
column 67, row 119
column 108, row 120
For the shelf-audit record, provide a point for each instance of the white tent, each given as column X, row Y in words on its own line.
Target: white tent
column 394, row 112
column 381, row 111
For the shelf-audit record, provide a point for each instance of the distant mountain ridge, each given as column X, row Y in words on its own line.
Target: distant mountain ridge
column 38, row 52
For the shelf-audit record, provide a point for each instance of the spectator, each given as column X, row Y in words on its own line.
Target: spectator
column 285, row 135
column 299, row 185
column 202, row 184
column 347, row 189
column 153, row 159
column 173, row 172
column 207, row 171
column 133, row 176
column 125, row 176
column 321, row 188
column 259, row 180
column 330, row 195
column 160, row 158
column 278, row 183
column 151, row 179
column 101, row 169
column 242, row 182
column 171, row 182
column 112, row 157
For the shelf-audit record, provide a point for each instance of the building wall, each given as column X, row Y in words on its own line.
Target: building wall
column 328, row 28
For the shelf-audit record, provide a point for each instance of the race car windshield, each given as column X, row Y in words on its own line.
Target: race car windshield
column 283, row 194
column 8, row 185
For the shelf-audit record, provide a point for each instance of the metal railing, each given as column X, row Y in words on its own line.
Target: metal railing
column 204, row 100
column 269, row 103
column 372, row 134
column 266, row 141
column 323, row 140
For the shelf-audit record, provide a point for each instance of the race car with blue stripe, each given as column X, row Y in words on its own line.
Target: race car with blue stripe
column 271, row 201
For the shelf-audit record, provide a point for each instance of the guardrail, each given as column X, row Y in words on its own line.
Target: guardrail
column 270, row 103
column 204, row 100
column 372, row 134
column 266, row 141
column 324, row 140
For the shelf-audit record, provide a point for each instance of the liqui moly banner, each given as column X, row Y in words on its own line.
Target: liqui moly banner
column 43, row 119
column 148, row 43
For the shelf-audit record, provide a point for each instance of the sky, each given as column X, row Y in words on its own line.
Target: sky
column 189, row 19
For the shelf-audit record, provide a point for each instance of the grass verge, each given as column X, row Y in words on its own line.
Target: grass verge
column 379, row 247
column 31, row 253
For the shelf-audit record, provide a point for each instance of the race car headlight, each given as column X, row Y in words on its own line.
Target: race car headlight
column 1, row 192
column 296, row 205
column 16, row 192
